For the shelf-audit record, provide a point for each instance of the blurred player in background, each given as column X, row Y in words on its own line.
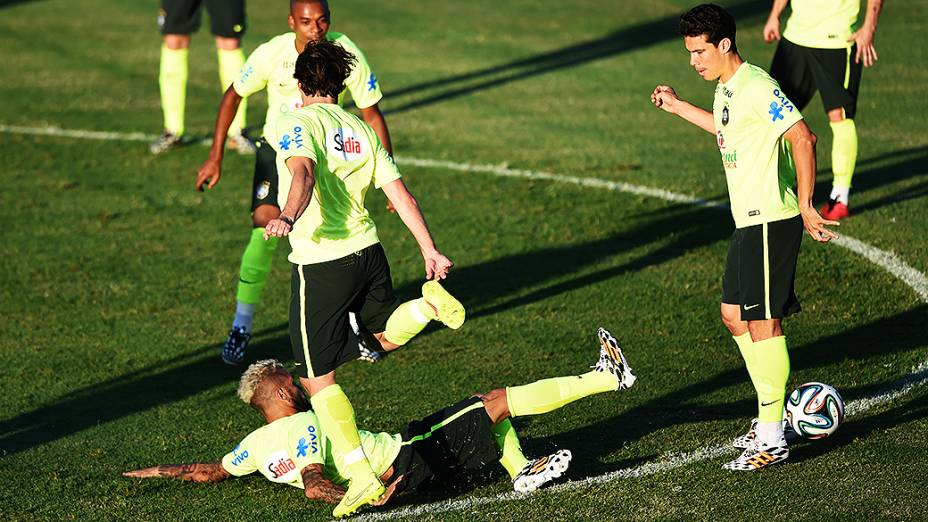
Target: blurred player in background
column 270, row 67
column 179, row 19
column 821, row 50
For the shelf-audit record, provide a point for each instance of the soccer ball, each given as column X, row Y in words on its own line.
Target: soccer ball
column 815, row 410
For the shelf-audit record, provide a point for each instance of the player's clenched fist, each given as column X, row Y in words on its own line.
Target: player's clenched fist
column 279, row 227
column 664, row 97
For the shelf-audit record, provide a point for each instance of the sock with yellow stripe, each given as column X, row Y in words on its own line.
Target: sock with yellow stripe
column 255, row 267
column 230, row 63
column 173, row 82
column 407, row 321
column 771, row 359
column 511, row 450
column 843, row 158
column 550, row 394
column 336, row 418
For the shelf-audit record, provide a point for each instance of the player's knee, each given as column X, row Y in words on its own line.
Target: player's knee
column 177, row 41
column 264, row 214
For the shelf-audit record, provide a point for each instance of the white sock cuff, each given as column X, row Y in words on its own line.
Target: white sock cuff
column 355, row 455
column 244, row 308
column 417, row 313
column 770, row 433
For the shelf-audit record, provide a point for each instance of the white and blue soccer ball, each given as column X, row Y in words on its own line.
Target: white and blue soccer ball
column 815, row 410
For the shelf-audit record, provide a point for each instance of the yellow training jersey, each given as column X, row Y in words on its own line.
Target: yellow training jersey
column 271, row 65
column 281, row 449
column 348, row 159
column 751, row 114
column 823, row 24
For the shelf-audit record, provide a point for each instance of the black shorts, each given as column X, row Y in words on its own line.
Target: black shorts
column 226, row 17
column 322, row 294
column 801, row 71
column 455, row 444
column 264, row 183
column 761, row 269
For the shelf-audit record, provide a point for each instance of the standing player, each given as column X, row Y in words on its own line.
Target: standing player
column 178, row 19
column 755, row 126
column 332, row 158
column 271, row 67
column 449, row 445
column 815, row 53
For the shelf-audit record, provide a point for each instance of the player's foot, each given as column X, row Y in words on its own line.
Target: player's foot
column 447, row 309
column 360, row 492
column 233, row 352
column 539, row 472
column 239, row 143
column 744, row 441
column 759, row 455
column 835, row 210
column 368, row 355
column 166, row 142
column 612, row 361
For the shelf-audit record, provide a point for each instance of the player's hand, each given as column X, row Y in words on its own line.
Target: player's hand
column 391, row 489
column 664, row 97
column 863, row 37
column 772, row 30
column 815, row 225
column 209, row 174
column 436, row 265
column 153, row 471
column 276, row 228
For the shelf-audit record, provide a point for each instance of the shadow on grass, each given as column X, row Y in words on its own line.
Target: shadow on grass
column 874, row 173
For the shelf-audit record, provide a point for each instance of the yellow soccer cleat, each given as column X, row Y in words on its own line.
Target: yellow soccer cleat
column 447, row 309
column 360, row 492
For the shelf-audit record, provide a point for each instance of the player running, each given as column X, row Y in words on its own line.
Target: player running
column 270, row 67
column 448, row 446
column 756, row 126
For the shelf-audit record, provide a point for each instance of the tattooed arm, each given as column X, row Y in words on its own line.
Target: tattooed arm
column 317, row 487
column 196, row 472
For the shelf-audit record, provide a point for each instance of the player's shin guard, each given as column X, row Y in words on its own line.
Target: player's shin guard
column 173, row 81
column 230, row 63
column 772, row 360
column 843, row 157
column 746, row 347
column 550, row 394
column 507, row 439
column 256, row 265
column 407, row 321
column 336, row 418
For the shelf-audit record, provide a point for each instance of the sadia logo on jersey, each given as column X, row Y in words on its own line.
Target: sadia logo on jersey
column 346, row 144
column 280, row 467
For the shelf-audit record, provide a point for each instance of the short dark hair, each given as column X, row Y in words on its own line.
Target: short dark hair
column 322, row 68
column 710, row 20
column 323, row 2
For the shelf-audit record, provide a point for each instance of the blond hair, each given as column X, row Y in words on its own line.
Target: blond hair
column 255, row 375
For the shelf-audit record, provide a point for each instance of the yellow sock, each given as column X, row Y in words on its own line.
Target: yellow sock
column 336, row 418
column 772, row 367
column 173, row 81
column 843, row 153
column 230, row 63
column 745, row 345
column 407, row 321
column 550, row 394
column 512, row 458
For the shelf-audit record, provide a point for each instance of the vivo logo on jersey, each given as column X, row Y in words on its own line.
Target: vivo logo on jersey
column 239, row 457
column 280, row 467
column 347, row 145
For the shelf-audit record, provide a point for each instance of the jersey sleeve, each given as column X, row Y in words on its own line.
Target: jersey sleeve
column 362, row 82
column 385, row 169
column 254, row 74
column 296, row 138
column 772, row 106
column 240, row 461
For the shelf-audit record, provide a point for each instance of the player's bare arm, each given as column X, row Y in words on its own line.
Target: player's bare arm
column 195, row 472
column 664, row 97
column 373, row 117
column 301, row 190
column 317, row 487
column 863, row 37
column 211, row 170
column 802, row 143
column 772, row 27
column 436, row 264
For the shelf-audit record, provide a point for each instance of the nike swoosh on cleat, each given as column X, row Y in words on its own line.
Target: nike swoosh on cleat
column 352, row 500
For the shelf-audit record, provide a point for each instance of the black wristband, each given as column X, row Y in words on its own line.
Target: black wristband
column 286, row 220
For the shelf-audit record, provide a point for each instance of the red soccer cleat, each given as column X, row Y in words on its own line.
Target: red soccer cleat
column 835, row 210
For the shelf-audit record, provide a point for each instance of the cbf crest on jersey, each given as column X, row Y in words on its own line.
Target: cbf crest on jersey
column 346, row 144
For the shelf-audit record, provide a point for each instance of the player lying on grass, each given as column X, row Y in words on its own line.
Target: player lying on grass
column 447, row 447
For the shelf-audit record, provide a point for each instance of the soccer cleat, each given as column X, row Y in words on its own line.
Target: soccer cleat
column 539, row 472
column 239, row 143
column 166, row 142
column 744, row 441
column 360, row 492
column 835, row 210
column 447, row 309
column 612, row 361
column 233, row 352
column 759, row 455
column 368, row 355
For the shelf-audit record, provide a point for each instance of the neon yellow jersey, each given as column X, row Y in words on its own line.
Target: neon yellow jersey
column 280, row 450
column 271, row 65
column 823, row 24
column 348, row 159
column 751, row 114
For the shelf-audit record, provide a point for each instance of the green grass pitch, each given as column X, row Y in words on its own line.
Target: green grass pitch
column 118, row 279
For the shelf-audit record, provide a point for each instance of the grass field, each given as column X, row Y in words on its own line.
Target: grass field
column 118, row 279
